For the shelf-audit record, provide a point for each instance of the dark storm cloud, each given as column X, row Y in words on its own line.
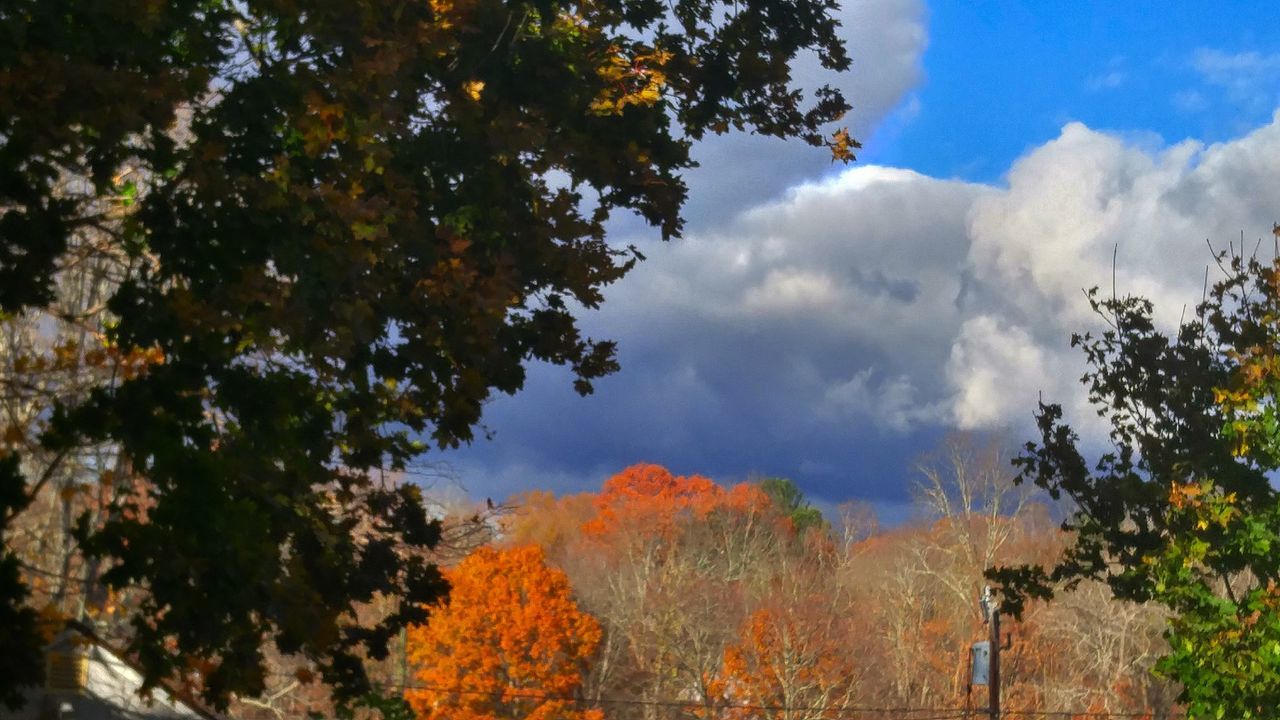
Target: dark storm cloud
column 833, row 334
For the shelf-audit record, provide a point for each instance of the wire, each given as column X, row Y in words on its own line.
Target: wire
column 834, row 712
column 1083, row 714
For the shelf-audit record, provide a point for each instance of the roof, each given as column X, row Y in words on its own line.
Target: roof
column 107, row 686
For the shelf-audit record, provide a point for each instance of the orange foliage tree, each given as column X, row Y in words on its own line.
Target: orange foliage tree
column 510, row 642
column 793, row 662
column 649, row 496
column 664, row 563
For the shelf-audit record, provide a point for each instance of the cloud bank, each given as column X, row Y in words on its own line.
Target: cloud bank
column 831, row 331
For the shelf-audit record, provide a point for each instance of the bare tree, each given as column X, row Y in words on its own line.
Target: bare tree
column 967, row 486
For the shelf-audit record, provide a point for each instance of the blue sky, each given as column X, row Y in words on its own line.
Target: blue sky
column 830, row 324
column 1003, row 77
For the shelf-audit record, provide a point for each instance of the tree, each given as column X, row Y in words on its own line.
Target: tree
column 793, row 661
column 350, row 223
column 509, row 642
column 790, row 500
column 1095, row 652
column 552, row 523
column 291, row 691
column 649, row 499
column 50, row 356
column 1183, row 511
column 967, row 486
column 665, row 560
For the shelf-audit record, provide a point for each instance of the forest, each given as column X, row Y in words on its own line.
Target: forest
column 739, row 601
column 674, row 596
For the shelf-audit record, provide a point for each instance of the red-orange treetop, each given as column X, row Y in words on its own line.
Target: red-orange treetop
column 650, row 496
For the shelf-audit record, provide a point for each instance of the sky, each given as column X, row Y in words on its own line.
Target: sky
column 832, row 323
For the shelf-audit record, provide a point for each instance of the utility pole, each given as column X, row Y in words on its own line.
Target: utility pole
column 993, row 689
column 991, row 615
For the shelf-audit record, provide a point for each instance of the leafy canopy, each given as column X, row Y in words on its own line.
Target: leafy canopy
column 649, row 500
column 343, row 224
column 510, row 642
column 790, row 500
column 1183, row 511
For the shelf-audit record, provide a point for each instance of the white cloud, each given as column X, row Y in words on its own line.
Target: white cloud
column 999, row 371
column 1109, row 80
column 1075, row 203
column 788, row 291
column 1237, row 70
column 1246, row 80
column 865, row 263
column 1071, row 206
column 954, row 302
column 894, row 403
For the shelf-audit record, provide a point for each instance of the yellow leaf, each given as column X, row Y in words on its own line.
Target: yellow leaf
column 842, row 146
column 473, row 88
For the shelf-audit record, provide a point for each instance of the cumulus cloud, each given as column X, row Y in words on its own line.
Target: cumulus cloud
column 1088, row 209
column 993, row 367
column 785, row 338
column 894, row 403
column 1076, row 203
column 830, row 332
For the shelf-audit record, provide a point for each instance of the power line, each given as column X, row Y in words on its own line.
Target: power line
column 1082, row 714
column 691, row 704
column 852, row 712
column 909, row 713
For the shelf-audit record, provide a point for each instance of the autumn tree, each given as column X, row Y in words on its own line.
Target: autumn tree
column 510, row 642
column 656, row 608
column 552, row 523
column 794, row 660
column 666, row 564
column 651, row 498
column 921, row 582
column 911, row 631
column 353, row 222
column 1183, row 512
